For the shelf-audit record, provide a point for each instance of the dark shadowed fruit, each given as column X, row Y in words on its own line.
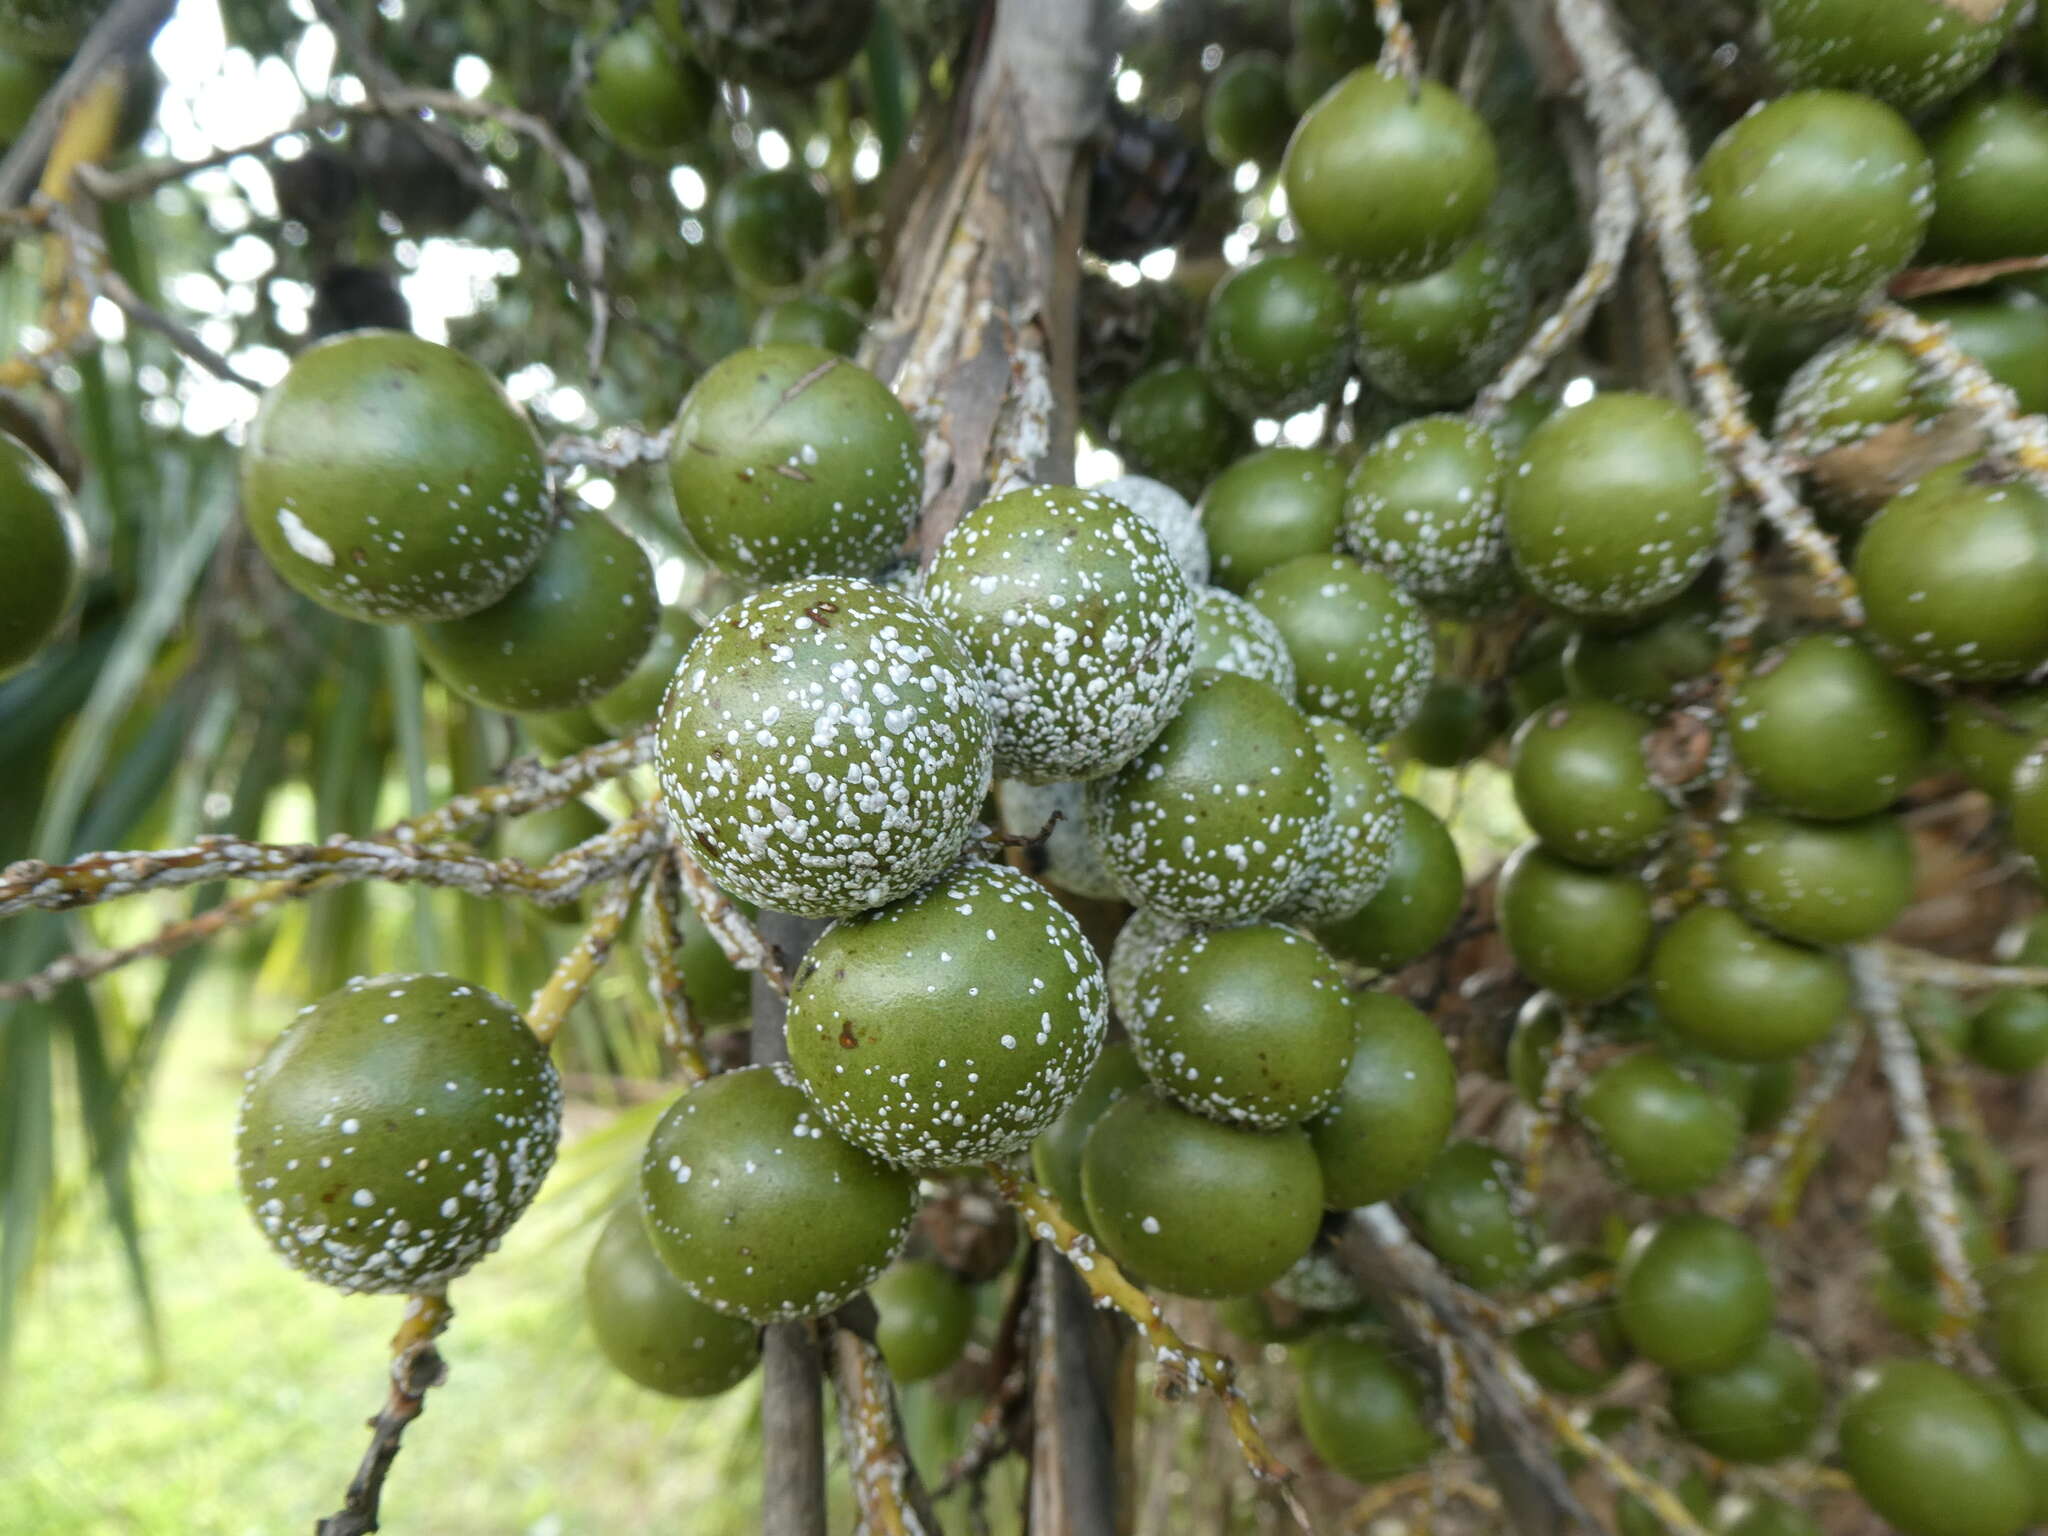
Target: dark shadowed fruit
column 1056, row 1154
column 1437, row 339
column 1822, row 728
column 1468, row 1209
column 1648, row 666
column 1274, row 340
column 1763, row 1408
column 923, row 1314
column 45, row 551
column 1911, row 53
column 1928, row 1449
column 1271, row 507
column 1393, row 1110
column 1583, row 783
column 1659, row 1129
column 1172, row 424
column 650, row 1328
column 1693, row 1293
column 1363, row 649
column 809, row 320
column 645, row 92
column 1820, row 882
column 1362, row 1410
column 1729, row 988
column 1414, row 907
column 1354, row 847
column 769, row 225
column 1245, row 111
column 1988, row 735
column 1582, row 933
column 1457, row 722
column 637, row 700
column 776, row 42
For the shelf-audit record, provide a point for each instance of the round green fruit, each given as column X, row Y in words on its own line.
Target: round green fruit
column 1197, row 1208
column 1423, row 504
column 1991, row 179
column 923, row 1314
column 1729, row 988
column 1582, row 1350
column 637, row 701
column 1144, row 933
column 1274, row 337
column 1056, row 1154
column 1468, row 1210
column 1651, row 665
column 1271, row 507
column 1218, row 819
column 1394, row 1108
column 1363, row 649
column 45, row 544
column 1416, row 905
column 1928, row 1449
column 791, row 43
column 559, row 732
column 1811, row 203
column 769, row 224
column 809, row 320
column 2009, row 1032
column 1911, row 53
column 1536, row 670
column 1079, row 620
column 772, row 767
column 1354, row 847
column 789, row 461
column 1583, row 782
column 1390, row 176
column 1693, row 1294
column 1583, row 934
column 1823, row 729
column 951, row 1026
column 390, row 479
column 1820, row 882
column 1245, row 112
column 650, row 1328
column 1171, row 514
column 650, row 97
column 848, row 273
column 759, row 1208
column 1251, row 1024
column 1615, row 506
column 394, row 1132
column 1361, row 1410
column 1765, row 1407
column 1987, row 736
column 1233, row 636
column 1903, row 1239
column 1172, row 424
column 1437, row 339
column 2028, row 803
column 2030, row 1429
column 2019, row 1325
column 1458, row 721
column 1847, row 392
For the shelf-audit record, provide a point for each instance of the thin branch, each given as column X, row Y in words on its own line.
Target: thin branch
column 884, row 1483
column 124, row 31
column 1399, row 57
column 1798, row 1130
column 1561, row 1075
column 661, row 952
column 1544, row 1306
column 2013, row 435
column 416, row 1367
column 574, row 972
column 740, row 940
column 621, row 447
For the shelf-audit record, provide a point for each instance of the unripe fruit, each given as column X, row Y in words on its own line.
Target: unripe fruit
column 1172, row 424
column 1811, row 203
column 1693, row 1293
column 1820, row 882
column 394, row 1132
column 1079, row 621
column 1271, row 507
column 1353, row 850
column 1361, row 1410
column 1144, row 933
column 769, row 224
column 2018, row 1293
column 1659, row 1130
column 1245, row 112
column 809, row 320
column 759, row 1208
column 1363, row 649
column 45, row 544
column 1762, row 1515
column 391, row 480
column 1468, row 1210
column 1196, row 1208
column 2009, row 1033
column 2028, row 802
column 1902, row 1239
column 1056, row 1154
column 1233, row 636
column 1928, row 1449
column 653, row 1330
column 646, row 94
column 2008, row 336
column 951, row 1026
column 1217, row 819
column 790, row 461
column 1171, row 515
column 637, row 701
column 1987, row 737
column 1911, row 53
column 1250, row 1024
column 1424, row 504
column 1730, row 988
column 1414, row 907
column 1614, row 507
column 772, row 767
column 1274, row 337
column 1393, row 1110
column 1581, row 933
column 1458, row 721
column 1647, row 667
column 784, row 43
column 1583, row 783
column 559, row 732
column 923, row 1314
column 1438, row 339
column 1822, row 728
column 1390, row 175
column 1764, row 1408
column 571, row 631
column 1990, row 188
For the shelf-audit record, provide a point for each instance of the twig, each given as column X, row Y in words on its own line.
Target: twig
column 2018, row 438
column 1925, row 282
column 1560, row 1076
column 875, row 1457
column 738, row 938
column 1799, row 1129
column 621, row 447
column 661, row 950
column 125, row 30
column 1399, row 57
column 1544, row 1306
column 1431, row 1481
column 573, row 973
column 416, row 1367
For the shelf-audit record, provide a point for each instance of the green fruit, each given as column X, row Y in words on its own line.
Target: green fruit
column 1730, row 988
column 2019, row 1325
column 1846, row 392
column 392, row 480
column 650, row 1328
column 1536, row 674
column 1990, row 179
column 1354, row 847
column 1389, row 175
column 721, row 994
column 1532, row 1044
column 1217, row 820
column 1468, row 1210
column 637, row 701
column 2008, row 337
column 1250, row 1024
column 1693, row 1293
column 789, row 461
column 1416, row 905
column 923, row 1314
column 1172, row 424
column 571, row 631
column 1144, row 933
column 1079, row 620
column 1823, row 729
column 1438, row 339
column 1363, row 649
column 23, row 80
column 48, row 28
column 1928, row 1449
column 1196, row 1208
column 1954, row 576
column 1341, row 30
column 759, row 1209
column 1233, row 636
column 1424, row 505
column 2030, row 1429
column 1903, row 1240
column 1583, row 783
column 951, row 1026
column 1911, row 53
column 1820, row 882
column 1245, row 112
column 769, row 732
column 1271, row 507
column 1274, row 338
column 1650, row 666
column 1765, row 1407
column 1988, row 736
column 1255, row 1320
column 1582, row 933
column 559, row 732
column 776, row 42
column 2009, row 1033
column 809, row 320
column 1394, row 1108
column 394, row 1132
column 849, row 274
column 1171, row 515
column 1310, row 75
column 1361, row 1410
column 1615, row 506
column 1582, row 1350
column 1811, row 203
column 1660, row 1130
column 45, row 551
column 1457, row 722
column 647, row 94
column 1056, row 1154
column 769, row 224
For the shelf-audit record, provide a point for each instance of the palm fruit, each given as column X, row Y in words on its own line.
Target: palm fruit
column 1353, row 850
column 45, row 544
column 1363, row 649
column 653, row 1330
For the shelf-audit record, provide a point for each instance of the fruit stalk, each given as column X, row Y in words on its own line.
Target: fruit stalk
column 1561, row 1075
column 660, row 948
column 416, row 1366
column 574, row 972
column 884, row 1484
column 2012, row 434
column 1799, row 1129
